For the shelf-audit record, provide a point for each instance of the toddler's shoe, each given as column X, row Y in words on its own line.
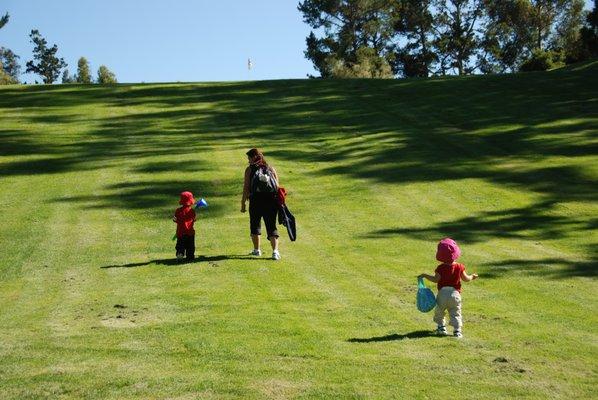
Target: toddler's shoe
column 180, row 256
column 256, row 252
column 441, row 330
column 275, row 255
column 458, row 334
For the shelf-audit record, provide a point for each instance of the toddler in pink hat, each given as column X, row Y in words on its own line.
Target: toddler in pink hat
column 448, row 276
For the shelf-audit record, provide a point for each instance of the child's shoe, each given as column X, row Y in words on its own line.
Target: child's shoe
column 441, row 330
column 275, row 255
column 180, row 256
column 256, row 252
column 457, row 334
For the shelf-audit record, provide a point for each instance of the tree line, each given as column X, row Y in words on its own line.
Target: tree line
column 420, row 38
column 47, row 64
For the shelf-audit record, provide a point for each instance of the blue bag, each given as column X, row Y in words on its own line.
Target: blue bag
column 426, row 300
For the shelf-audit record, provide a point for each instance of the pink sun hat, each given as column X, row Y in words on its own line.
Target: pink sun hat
column 448, row 251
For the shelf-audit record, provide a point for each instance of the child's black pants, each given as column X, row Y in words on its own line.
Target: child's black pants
column 186, row 245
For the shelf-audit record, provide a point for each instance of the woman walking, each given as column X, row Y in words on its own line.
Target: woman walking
column 259, row 187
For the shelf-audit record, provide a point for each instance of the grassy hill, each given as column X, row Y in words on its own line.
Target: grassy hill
column 93, row 305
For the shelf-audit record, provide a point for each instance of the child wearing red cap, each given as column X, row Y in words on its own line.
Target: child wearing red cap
column 448, row 276
column 184, row 217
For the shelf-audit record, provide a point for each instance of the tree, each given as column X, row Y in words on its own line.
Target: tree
column 587, row 44
column 44, row 63
column 105, row 76
column 413, row 22
column 367, row 65
column 521, row 30
column 567, row 28
column 457, row 41
column 67, row 78
column 83, row 71
column 5, row 79
column 355, row 36
column 9, row 64
column 4, row 20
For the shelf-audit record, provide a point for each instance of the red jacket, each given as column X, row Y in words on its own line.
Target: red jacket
column 185, row 218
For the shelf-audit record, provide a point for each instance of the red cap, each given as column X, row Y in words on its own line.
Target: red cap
column 448, row 251
column 187, row 199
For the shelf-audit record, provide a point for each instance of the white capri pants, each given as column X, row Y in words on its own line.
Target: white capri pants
column 449, row 299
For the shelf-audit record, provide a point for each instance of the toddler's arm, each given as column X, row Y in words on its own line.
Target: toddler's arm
column 431, row 278
column 467, row 278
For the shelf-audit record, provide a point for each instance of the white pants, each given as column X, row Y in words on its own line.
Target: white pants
column 449, row 298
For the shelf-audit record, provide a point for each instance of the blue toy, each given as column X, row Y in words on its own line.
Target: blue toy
column 201, row 203
column 425, row 300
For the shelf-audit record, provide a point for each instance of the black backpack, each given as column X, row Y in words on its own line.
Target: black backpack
column 263, row 180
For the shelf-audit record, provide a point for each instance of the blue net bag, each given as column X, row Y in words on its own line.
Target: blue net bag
column 426, row 300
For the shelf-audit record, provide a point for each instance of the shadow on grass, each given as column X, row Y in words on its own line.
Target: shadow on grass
column 547, row 267
column 530, row 132
column 394, row 336
column 173, row 261
column 532, row 222
column 158, row 198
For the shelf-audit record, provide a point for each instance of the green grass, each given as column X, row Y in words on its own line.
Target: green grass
column 378, row 172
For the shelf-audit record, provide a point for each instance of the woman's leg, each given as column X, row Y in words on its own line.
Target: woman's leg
column 256, row 241
column 255, row 221
column 270, row 213
column 274, row 242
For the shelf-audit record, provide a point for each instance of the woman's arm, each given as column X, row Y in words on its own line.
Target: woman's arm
column 275, row 176
column 245, row 189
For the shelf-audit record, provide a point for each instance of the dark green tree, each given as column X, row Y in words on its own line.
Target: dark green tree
column 587, row 44
column 354, row 36
column 413, row 24
column 44, row 63
column 538, row 31
column 507, row 36
column 83, row 71
column 567, row 27
column 105, row 76
column 457, row 41
column 4, row 20
column 9, row 64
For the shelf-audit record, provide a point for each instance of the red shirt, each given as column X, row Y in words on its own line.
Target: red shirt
column 450, row 275
column 185, row 217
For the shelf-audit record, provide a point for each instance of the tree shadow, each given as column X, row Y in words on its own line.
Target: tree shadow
column 394, row 336
column 530, row 132
column 159, row 199
column 555, row 268
column 532, row 222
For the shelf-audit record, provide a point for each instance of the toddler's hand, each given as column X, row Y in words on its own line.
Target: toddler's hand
column 174, row 220
column 243, row 208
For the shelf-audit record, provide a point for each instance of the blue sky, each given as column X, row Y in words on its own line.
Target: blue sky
column 166, row 41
